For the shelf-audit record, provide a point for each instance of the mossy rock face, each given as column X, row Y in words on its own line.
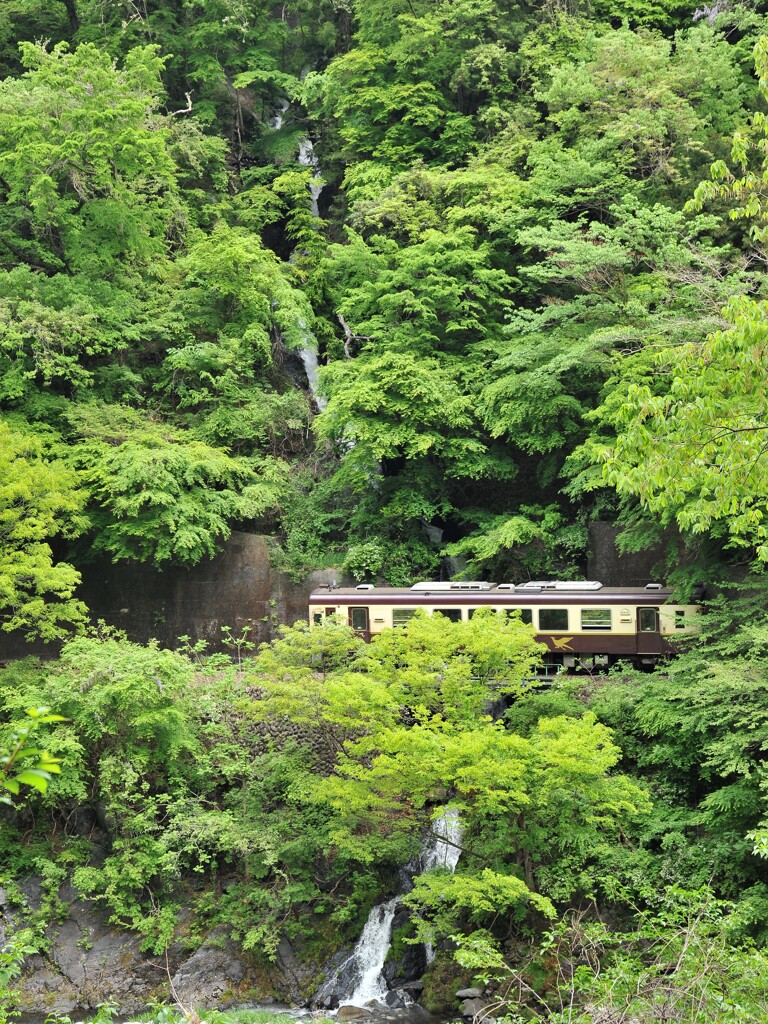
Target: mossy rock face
column 406, row 961
column 442, row 981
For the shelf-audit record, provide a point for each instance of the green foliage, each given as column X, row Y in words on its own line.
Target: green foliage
column 676, row 963
column 39, row 500
column 20, row 944
column 160, row 495
column 87, row 168
column 694, row 455
column 22, row 764
column 404, row 720
column 524, row 330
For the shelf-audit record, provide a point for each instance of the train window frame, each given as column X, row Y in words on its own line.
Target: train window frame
column 680, row 622
column 398, row 613
column 354, row 612
column 552, row 627
column 605, row 625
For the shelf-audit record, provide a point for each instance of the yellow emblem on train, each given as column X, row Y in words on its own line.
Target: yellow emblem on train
column 562, row 643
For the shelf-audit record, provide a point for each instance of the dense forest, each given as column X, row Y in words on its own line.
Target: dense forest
column 524, row 243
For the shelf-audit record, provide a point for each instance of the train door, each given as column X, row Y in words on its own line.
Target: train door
column 648, row 631
column 358, row 620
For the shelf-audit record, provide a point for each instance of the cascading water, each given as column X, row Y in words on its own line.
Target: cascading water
column 308, row 158
column 308, row 352
column 445, row 849
column 275, row 122
column 360, row 974
column 308, row 356
column 359, row 979
column 442, row 852
column 371, row 952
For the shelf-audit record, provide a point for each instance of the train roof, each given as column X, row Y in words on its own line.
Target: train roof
column 484, row 592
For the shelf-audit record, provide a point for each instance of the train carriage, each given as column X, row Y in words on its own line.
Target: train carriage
column 583, row 624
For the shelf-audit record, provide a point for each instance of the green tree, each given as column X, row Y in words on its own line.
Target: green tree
column 159, row 494
column 691, row 452
column 695, row 454
column 406, row 723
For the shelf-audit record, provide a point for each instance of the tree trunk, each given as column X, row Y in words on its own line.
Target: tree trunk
column 74, row 21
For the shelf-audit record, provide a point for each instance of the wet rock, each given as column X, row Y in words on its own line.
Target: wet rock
column 295, row 979
column 339, row 981
column 397, row 999
column 352, row 1013
column 411, row 962
column 89, row 963
column 413, row 986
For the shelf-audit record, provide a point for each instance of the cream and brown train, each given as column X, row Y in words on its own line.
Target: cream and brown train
column 583, row 624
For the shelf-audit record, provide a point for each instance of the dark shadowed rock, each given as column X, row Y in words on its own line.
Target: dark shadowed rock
column 89, row 963
column 410, row 961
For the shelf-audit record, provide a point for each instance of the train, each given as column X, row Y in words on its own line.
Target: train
column 584, row 625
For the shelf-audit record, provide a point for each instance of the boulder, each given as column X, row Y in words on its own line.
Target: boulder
column 471, row 1007
column 211, row 976
column 352, row 1013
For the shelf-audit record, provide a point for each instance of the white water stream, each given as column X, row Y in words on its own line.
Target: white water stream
column 360, row 974
column 370, row 953
column 308, row 352
column 307, row 158
column 445, row 849
column 443, row 852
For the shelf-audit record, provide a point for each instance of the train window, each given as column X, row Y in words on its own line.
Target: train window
column 454, row 614
column 679, row 619
column 400, row 616
column 358, row 619
column 553, row 619
column 526, row 615
column 647, row 620
column 595, row 618
column 317, row 618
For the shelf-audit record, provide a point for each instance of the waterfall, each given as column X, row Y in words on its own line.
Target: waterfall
column 308, row 158
column 361, row 971
column 359, row 979
column 443, row 852
column 308, row 356
column 445, row 849
column 275, row 123
column 308, row 352
column 371, row 952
